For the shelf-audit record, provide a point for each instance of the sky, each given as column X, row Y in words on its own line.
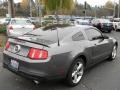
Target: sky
column 16, row 1
column 91, row 2
column 96, row 2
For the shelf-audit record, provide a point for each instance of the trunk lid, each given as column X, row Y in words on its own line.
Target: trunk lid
column 22, row 46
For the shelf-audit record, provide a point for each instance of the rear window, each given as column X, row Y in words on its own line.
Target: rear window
column 21, row 22
column 51, row 35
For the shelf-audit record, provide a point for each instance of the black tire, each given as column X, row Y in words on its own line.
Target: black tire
column 113, row 54
column 109, row 31
column 115, row 28
column 69, row 78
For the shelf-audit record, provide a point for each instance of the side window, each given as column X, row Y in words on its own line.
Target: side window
column 91, row 33
column 78, row 36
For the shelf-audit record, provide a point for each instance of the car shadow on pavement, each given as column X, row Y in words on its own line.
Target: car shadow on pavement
column 19, row 83
column 15, row 82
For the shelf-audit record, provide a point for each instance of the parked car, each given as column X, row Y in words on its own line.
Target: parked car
column 4, row 20
column 82, row 22
column 19, row 26
column 34, row 19
column 57, row 19
column 103, row 25
column 58, row 54
column 116, row 24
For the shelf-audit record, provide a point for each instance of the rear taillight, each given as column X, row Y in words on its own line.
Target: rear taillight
column 37, row 54
column 10, row 28
column 7, row 45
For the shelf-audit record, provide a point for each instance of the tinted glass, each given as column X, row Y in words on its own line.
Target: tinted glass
column 51, row 35
column 78, row 36
column 91, row 33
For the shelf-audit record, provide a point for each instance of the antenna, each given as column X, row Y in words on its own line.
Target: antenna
column 55, row 28
column 58, row 37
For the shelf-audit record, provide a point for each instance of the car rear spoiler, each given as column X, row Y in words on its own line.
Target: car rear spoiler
column 28, row 41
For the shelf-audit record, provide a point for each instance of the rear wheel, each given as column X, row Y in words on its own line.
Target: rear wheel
column 75, row 73
column 113, row 54
column 109, row 31
column 115, row 28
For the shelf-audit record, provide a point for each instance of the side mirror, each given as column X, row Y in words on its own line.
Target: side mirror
column 97, row 37
column 105, row 37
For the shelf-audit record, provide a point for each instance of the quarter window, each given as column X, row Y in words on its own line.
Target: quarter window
column 78, row 36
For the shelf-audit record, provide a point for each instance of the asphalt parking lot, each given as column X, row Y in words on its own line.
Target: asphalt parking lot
column 103, row 76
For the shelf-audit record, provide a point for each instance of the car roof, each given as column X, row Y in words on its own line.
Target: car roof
column 19, row 19
column 66, row 29
column 81, row 20
column 62, row 32
column 102, row 20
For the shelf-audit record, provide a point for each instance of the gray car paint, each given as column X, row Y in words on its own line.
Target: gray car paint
column 60, row 57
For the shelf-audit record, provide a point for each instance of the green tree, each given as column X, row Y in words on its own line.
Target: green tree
column 25, row 4
column 25, row 7
column 108, row 8
column 63, row 6
column 109, row 5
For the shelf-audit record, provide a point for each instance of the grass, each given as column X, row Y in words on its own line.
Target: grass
column 3, row 39
column 2, row 29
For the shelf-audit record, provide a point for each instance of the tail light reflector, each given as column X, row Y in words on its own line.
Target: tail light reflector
column 37, row 54
column 7, row 45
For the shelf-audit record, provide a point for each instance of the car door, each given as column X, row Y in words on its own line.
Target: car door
column 100, row 46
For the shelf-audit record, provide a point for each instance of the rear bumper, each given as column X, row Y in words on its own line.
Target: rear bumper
column 107, row 29
column 55, row 68
column 28, row 75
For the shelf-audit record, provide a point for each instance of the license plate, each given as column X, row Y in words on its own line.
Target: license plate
column 14, row 64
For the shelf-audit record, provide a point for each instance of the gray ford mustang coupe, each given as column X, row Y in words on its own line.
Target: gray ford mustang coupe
column 58, row 53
